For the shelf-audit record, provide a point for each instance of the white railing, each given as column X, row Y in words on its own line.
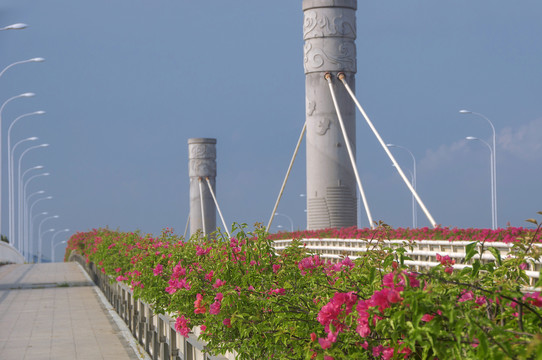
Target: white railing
column 423, row 253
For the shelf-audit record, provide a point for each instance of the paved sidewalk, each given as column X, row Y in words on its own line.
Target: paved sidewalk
column 52, row 311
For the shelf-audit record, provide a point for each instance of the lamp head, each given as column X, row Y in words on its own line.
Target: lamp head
column 465, row 112
column 18, row 26
column 29, row 94
column 44, row 145
column 39, row 112
column 40, row 192
column 471, row 138
column 32, row 138
column 38, row 167
column 390, row 145
column 38, row 59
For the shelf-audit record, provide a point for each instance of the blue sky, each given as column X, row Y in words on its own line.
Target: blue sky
column 127, row 82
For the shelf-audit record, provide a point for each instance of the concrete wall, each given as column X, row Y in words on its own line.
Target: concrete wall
column 8, row 254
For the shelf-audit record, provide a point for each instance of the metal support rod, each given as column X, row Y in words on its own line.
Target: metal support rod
column 287, row 175
column 202, row 208
column 186, row 228
column 388, row 152
column 217, row 207
column 349, row 148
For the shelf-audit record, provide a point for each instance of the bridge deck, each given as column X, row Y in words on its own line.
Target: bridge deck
column 53, row 311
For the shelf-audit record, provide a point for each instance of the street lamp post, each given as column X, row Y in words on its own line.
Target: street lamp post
column 53, row 253
column 18, row 26
column 38, row 59
column 21, row 236
column 494, row 194
column 40, row 255
column 20, row 193
column 492, row 174
column 1, row 109
column 11, row 194
column 31, row 249
column 289, row 218
column 11, row 190
column 39, row 234
column 27, row 222
column 53, row 240
column 414, row 208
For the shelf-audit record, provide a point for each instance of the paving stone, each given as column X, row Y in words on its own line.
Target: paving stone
column 44, row 317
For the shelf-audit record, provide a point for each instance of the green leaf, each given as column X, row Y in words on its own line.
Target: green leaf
column 497, row 255
column 533, row 221
column 482, row 346
column 470, row 251
column 475, row 268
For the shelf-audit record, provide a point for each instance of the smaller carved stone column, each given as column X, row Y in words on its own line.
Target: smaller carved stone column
column 201, row 165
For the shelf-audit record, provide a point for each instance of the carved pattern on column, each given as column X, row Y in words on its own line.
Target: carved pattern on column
column 320, row 24
column 323, row 55
column 202, row 160
column 341, row 58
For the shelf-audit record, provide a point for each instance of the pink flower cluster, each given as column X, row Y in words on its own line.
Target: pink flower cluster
column 181, row 325
column 447, row 262
column 308, row 264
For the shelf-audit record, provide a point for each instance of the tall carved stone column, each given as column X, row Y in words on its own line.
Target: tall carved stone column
column 329, row 31
column 201, row 165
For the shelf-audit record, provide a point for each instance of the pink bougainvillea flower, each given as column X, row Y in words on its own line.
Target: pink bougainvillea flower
column 394, row 296
column 227, row 322
column 466, row 296
column 199, row 307
column 387, row 353
column 313, row 337
column 214, row 309
column 276, row 268
column 280, row 291
column 534, row 298
column 427, row 317
column 158, row 270
column 209, row 275
column 481, row 300
column 218, row 283
column 181, row 325
column 201, row 251
column 327, row 357
column 324, row 343
column 377, row 350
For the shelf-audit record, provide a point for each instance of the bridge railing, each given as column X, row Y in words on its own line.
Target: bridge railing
column 154, row 332
column 423, row 253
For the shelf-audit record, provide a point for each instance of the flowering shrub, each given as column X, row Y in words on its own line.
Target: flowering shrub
column 295, row 305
